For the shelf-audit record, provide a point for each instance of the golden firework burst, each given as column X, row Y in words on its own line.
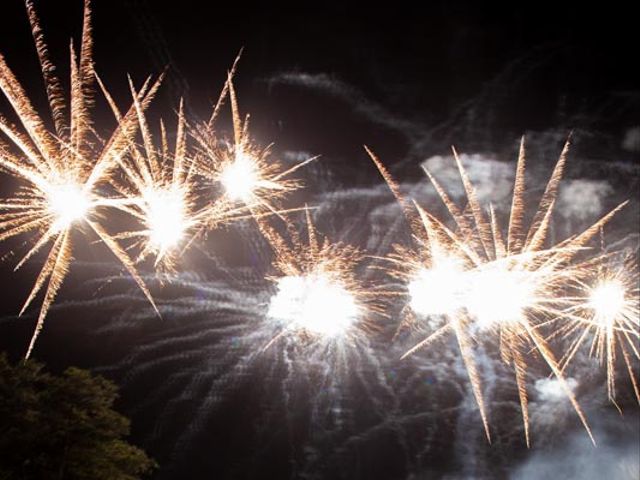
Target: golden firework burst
column 475, row 280
column 247, row 173
column 60, row 170
column 607, row 313
column 318, row 294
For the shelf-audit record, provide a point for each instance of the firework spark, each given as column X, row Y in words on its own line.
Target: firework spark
column 247, row 173
column 608, row 312
column 61, row 170
column 159, row 190
column 162, row 188
column 475, row 281
column 317, row 292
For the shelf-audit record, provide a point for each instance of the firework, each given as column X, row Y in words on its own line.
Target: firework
column 61, row 170
column 247, row 173
column 608, row 313
column 317, row 295
column 158, row 190
column 473, row 281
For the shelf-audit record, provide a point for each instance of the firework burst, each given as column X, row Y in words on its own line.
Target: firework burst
column 475, row 281
column 608, row 314
column 159, row 191
column 247, row 173
column 60, row 170
column 318, row 295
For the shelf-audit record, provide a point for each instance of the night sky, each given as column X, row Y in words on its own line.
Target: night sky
column 324, row 80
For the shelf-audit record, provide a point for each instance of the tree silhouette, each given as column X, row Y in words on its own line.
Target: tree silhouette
column 63, row 427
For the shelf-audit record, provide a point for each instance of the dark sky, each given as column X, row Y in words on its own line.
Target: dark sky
column 326, row 79
column 523, row 65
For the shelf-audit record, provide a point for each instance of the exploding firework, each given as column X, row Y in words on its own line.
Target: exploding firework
column 318, row 295
column 473, row 281
column 247, row 173
column 160, row 191
column 61, row 170
column 608, row 314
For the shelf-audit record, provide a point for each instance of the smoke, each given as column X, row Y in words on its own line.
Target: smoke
column 492, row 179
column 342, row 404
column 583, row 199
column 551, row 389
column 631, row 141
column 617, row 455
column 334, row 87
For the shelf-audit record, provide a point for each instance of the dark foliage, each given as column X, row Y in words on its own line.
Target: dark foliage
column 63, row 427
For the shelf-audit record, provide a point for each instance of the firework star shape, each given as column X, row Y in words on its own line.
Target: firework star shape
column 61, row 170
column 481, row 284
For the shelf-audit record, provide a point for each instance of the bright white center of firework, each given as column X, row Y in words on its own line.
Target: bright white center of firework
column 240, row 177
column 165, row 217
column 607, row 300
column 68, row 203
column 437, row 290
column 497, row 297
column 315, row 304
